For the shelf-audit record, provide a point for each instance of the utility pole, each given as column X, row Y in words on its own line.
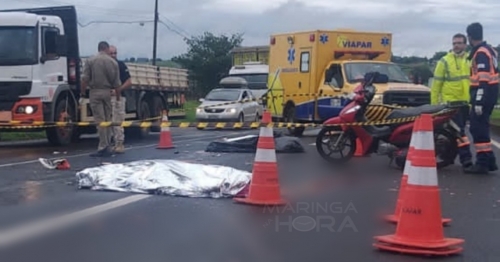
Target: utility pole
column 155, row 32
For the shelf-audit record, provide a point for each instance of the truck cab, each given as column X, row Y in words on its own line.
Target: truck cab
column 255, row 73
column 312, row 72
column 30, row 66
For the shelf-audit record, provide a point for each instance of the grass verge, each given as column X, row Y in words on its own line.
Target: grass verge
column 495, row 118
column 20, row 136
column 190, row 107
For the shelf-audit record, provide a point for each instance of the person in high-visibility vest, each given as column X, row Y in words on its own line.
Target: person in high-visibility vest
column 484, row 95
column 451, row 84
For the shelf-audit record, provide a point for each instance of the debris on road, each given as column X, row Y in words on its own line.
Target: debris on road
column 248, row 144
column 61, row 164
column 166, row 177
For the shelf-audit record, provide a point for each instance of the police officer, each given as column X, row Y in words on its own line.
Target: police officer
column 119, row 103
column 484, row 94
column 451, row 84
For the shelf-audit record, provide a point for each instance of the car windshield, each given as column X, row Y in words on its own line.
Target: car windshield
column 223, row 95
column 255, row 81
column 18, row 45
column 355, row 71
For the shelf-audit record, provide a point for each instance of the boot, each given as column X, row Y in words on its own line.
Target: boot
column 119, row 148
column 493, row 167
column 467, row 164
column 476, row 169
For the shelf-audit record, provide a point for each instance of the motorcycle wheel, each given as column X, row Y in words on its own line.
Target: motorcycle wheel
column 327, row 137
column 446, row 148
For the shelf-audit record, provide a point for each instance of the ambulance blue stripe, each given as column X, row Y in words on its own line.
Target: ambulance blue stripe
column 325, row 109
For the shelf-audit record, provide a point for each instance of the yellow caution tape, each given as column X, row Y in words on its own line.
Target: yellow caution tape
column 203, row 125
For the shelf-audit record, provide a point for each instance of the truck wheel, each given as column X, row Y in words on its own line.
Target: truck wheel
column 60, row 136
column 144, row 114
column 290, row 118
column 158, row 108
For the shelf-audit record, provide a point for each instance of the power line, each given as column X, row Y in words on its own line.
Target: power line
column 114, row 22
column 173, row 30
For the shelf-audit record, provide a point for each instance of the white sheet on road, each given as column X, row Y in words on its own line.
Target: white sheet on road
column 166, row 177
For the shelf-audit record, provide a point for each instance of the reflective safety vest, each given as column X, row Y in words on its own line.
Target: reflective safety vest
column 490, row 77
column 451, row 79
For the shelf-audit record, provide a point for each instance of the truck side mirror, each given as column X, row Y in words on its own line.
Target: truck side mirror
column 61, row 47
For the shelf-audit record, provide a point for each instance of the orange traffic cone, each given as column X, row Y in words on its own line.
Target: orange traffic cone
column 165, row 136
column 394, row 218
column 264, row 186
column 420, row 229
column 402, row 188
column 266, row 117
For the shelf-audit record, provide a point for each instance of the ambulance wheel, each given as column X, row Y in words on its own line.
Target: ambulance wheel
column 289, row 117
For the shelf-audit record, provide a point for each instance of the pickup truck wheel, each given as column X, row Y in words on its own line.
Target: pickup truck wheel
column 64, row 135
column 290, row 118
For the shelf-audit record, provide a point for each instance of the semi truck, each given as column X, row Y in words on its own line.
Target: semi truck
column 250, row 63
column 328, row 65
column 40, row 72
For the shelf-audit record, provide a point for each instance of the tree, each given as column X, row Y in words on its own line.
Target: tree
column 208, row 59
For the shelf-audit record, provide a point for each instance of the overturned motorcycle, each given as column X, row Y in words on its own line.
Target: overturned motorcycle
column 336, row 142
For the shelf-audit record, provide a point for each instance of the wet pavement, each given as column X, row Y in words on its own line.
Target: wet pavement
column 165, row 228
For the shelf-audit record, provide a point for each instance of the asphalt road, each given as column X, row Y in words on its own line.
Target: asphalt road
column 110, row 226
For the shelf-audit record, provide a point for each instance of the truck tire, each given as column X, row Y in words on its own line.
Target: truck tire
column 157, row 110
column 289, row 117
column 144, row 113
column 61, row 136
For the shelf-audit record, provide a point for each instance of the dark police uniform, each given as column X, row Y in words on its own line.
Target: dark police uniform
column 483, row 92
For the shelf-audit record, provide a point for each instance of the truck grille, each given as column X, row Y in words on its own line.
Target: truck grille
column 407, row 98
column 214, row 110
column 10, row 92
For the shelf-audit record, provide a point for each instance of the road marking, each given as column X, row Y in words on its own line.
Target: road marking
column 195, row 138
column 33, row 229
column 495, row 143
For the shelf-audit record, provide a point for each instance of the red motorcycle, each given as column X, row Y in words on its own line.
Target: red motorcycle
column 389, row 139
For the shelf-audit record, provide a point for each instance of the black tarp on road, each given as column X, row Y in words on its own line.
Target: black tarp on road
column 248, row 144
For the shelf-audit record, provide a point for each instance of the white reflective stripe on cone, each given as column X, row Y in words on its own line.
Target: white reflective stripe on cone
column 165, row 128
column 424, row 140
column 407, row 167
column 265, row 155
column 266, row 131
column 422, row 176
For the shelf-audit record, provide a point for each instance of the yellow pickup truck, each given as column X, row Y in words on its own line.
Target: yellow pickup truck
column 332, row 63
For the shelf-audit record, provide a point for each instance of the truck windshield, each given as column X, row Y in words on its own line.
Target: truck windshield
column 355, row 72
column 18, row 45
column 223, row 95
column 255, row 81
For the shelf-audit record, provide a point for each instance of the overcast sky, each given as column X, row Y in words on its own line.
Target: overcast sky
column 419, row 27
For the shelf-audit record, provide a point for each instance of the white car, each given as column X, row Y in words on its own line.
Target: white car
column 235, row 112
